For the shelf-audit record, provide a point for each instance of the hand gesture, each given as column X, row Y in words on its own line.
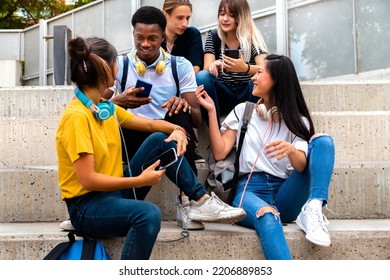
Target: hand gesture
column 175, row 104
column 180, row 136
column 204, row 99
column 213, row 67
column 279, row 149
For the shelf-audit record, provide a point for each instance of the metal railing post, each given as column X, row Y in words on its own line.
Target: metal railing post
column 282, row 27
column 42, row 53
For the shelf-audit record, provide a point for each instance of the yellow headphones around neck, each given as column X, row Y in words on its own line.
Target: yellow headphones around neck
column 140, row 66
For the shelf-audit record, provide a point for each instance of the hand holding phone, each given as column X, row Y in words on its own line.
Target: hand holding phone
column 233, row 53
column 167, row 158
column 147, row 88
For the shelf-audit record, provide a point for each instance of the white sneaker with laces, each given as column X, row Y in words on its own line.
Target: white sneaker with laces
column 183, row 220
column 213, row 209
column 67, row 225
column 314, row 223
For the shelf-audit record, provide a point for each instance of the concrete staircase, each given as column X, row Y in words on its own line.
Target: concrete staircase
column 355, row 113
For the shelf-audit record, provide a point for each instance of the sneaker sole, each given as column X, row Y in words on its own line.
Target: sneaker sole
column 191, row 226
column 308, row 237
column 67, row 228
column 219, row 219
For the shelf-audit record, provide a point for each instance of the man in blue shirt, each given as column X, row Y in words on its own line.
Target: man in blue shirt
column 174, row 101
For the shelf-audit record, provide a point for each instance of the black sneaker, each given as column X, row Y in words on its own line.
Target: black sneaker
column 198, row 158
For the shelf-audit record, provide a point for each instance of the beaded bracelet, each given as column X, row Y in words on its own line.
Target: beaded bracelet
column 181, row 129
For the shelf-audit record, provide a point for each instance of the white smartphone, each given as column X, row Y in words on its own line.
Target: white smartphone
column 167, row 158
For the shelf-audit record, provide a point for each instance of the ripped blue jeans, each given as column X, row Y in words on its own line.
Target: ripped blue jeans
column 286, row 195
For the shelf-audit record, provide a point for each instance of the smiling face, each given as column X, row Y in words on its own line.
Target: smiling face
column 226, row 20
column 147, row 40
column 263, row 83
column 178, row 20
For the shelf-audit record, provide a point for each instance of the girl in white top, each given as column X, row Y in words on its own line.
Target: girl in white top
column 285, row 168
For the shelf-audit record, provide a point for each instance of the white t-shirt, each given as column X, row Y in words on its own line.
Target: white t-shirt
column 259, row 135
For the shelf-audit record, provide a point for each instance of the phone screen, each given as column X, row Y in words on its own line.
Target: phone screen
column 233, row 53
column 167, row 158
column 147, row 88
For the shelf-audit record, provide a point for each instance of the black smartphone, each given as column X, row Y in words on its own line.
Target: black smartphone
column 167, row 158
column 233, row 53
column 147, row 88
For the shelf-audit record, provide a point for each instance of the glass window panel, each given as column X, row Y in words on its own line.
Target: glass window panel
column 321, row 39
column 373, row 34
column 267, row 27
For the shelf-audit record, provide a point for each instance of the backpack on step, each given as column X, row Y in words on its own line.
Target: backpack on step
column 82, row 249
column 223, row 174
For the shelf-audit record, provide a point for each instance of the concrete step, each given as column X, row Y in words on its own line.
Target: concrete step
column 351, row 240
column 31, row 141
column 357, row 95
column 361, row 136
column 330, row 95
column 29, row 118
column 31, row 194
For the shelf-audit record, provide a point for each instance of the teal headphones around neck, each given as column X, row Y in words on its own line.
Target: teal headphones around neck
column 102, row 111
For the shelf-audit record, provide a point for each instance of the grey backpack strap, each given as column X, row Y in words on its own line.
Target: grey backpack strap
column 249, row 106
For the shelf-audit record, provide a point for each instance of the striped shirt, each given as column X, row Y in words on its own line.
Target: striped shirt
column 230, row 78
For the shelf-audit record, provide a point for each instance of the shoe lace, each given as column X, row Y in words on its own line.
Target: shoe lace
column 318, row 220
column 185, row 209
column 215, row 199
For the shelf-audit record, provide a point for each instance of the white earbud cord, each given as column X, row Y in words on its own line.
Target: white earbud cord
column 183, row 233
column 127, row 155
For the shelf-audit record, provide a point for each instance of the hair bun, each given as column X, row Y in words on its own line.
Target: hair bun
column 79, row 49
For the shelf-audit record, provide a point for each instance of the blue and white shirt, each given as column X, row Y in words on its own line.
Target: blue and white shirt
column 164, row 86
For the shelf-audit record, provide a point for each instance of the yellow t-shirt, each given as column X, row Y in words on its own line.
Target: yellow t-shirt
column 80, row 132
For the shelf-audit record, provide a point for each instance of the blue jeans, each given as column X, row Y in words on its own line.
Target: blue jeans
column 286, row 195
column 117, row 213
column 229, row 96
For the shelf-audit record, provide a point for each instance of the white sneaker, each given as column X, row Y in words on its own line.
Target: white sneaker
column 213, row 209
column 67, row 225
column 183, row 220
column 313, row 222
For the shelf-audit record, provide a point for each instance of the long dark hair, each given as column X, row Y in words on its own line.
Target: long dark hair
column 288, row 96
column 92, row 62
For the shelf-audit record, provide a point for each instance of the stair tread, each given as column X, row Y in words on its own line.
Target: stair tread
column 52, row 228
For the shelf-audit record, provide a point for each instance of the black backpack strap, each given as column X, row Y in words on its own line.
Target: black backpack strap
column 216, row 43
column 88, row 249
column 125, row 69
column 57, row 251
column 174, row 73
